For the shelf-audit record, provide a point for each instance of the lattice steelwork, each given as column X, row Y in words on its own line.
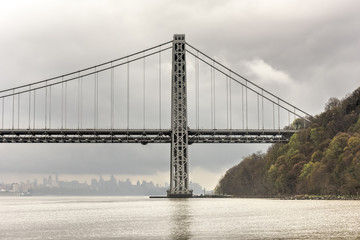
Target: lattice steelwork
column 179, row 178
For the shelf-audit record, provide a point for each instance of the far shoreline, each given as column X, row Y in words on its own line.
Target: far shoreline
column 304, row 197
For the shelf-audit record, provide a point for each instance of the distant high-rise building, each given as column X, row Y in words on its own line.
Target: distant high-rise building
column 94, row 182
column 112, row 179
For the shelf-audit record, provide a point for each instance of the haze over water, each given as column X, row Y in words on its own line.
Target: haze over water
column 144, row 218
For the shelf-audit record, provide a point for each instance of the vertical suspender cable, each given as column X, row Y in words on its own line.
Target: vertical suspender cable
column 50, row 107
column 62, row 104
column 78, row 101
column 195, row 82
column 144, row 103
column 230, row 100
column 128, row 93
column 97, row 100
column 258, row 110
column 65, row 120
column 196, row 62
column 289, row 117
column 262, row 108
column 18, row 120
column 212, row 98
column 112, row 97
column 274, row 115
column 34, row 109
column 81, row 100
column 242, row 107
column 279, row 113
column 13, row 109
column 94, row 99
column 46, row 90
column 2, row 115
column 214, row 95
column 29, row 105
column 247, row 114
column 198, row 91
column 160, row 88
column 227, row 102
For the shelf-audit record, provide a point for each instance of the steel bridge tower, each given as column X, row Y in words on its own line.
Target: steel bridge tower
column 179, row 166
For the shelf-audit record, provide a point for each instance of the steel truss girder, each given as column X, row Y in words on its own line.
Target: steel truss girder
column 85, row 136
column 239, row 136
column 142, row 136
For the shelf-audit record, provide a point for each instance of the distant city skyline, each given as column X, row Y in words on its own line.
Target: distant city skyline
column 68, row 177
column 53, row 185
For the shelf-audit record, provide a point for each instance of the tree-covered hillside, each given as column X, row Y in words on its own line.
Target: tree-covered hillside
column 321, row 159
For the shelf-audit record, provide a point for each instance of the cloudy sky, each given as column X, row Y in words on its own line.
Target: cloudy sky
column 302, row 51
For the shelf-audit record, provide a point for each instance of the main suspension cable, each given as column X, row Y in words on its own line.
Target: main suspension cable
column 247, row 87
column 74, row 78
column 92, row 67
column 247, row 80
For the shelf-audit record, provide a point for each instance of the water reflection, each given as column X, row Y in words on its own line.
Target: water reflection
column 180, row 219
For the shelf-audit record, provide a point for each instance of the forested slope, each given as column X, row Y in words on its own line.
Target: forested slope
column 321, row 159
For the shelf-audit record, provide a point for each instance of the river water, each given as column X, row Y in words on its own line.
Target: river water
column 144, row 218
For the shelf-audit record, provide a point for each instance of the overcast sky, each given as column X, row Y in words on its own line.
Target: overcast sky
column 302, row 51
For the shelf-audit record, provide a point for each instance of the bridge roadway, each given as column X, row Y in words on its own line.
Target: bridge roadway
column 142, row 136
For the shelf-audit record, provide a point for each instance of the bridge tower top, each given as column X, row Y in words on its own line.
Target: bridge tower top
column 179, row 37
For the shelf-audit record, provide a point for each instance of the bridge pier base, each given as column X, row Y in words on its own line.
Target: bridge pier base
column 180, row 195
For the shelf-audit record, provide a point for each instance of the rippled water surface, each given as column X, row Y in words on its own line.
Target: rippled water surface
column 144, row 218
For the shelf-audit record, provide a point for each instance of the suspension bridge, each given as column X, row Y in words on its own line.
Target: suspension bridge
column 143, row 98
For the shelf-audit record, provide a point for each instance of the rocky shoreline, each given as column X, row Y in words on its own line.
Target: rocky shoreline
column 320, row 197
column 302, row 197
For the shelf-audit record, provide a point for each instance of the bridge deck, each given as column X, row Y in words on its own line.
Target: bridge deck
column 143, row 136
